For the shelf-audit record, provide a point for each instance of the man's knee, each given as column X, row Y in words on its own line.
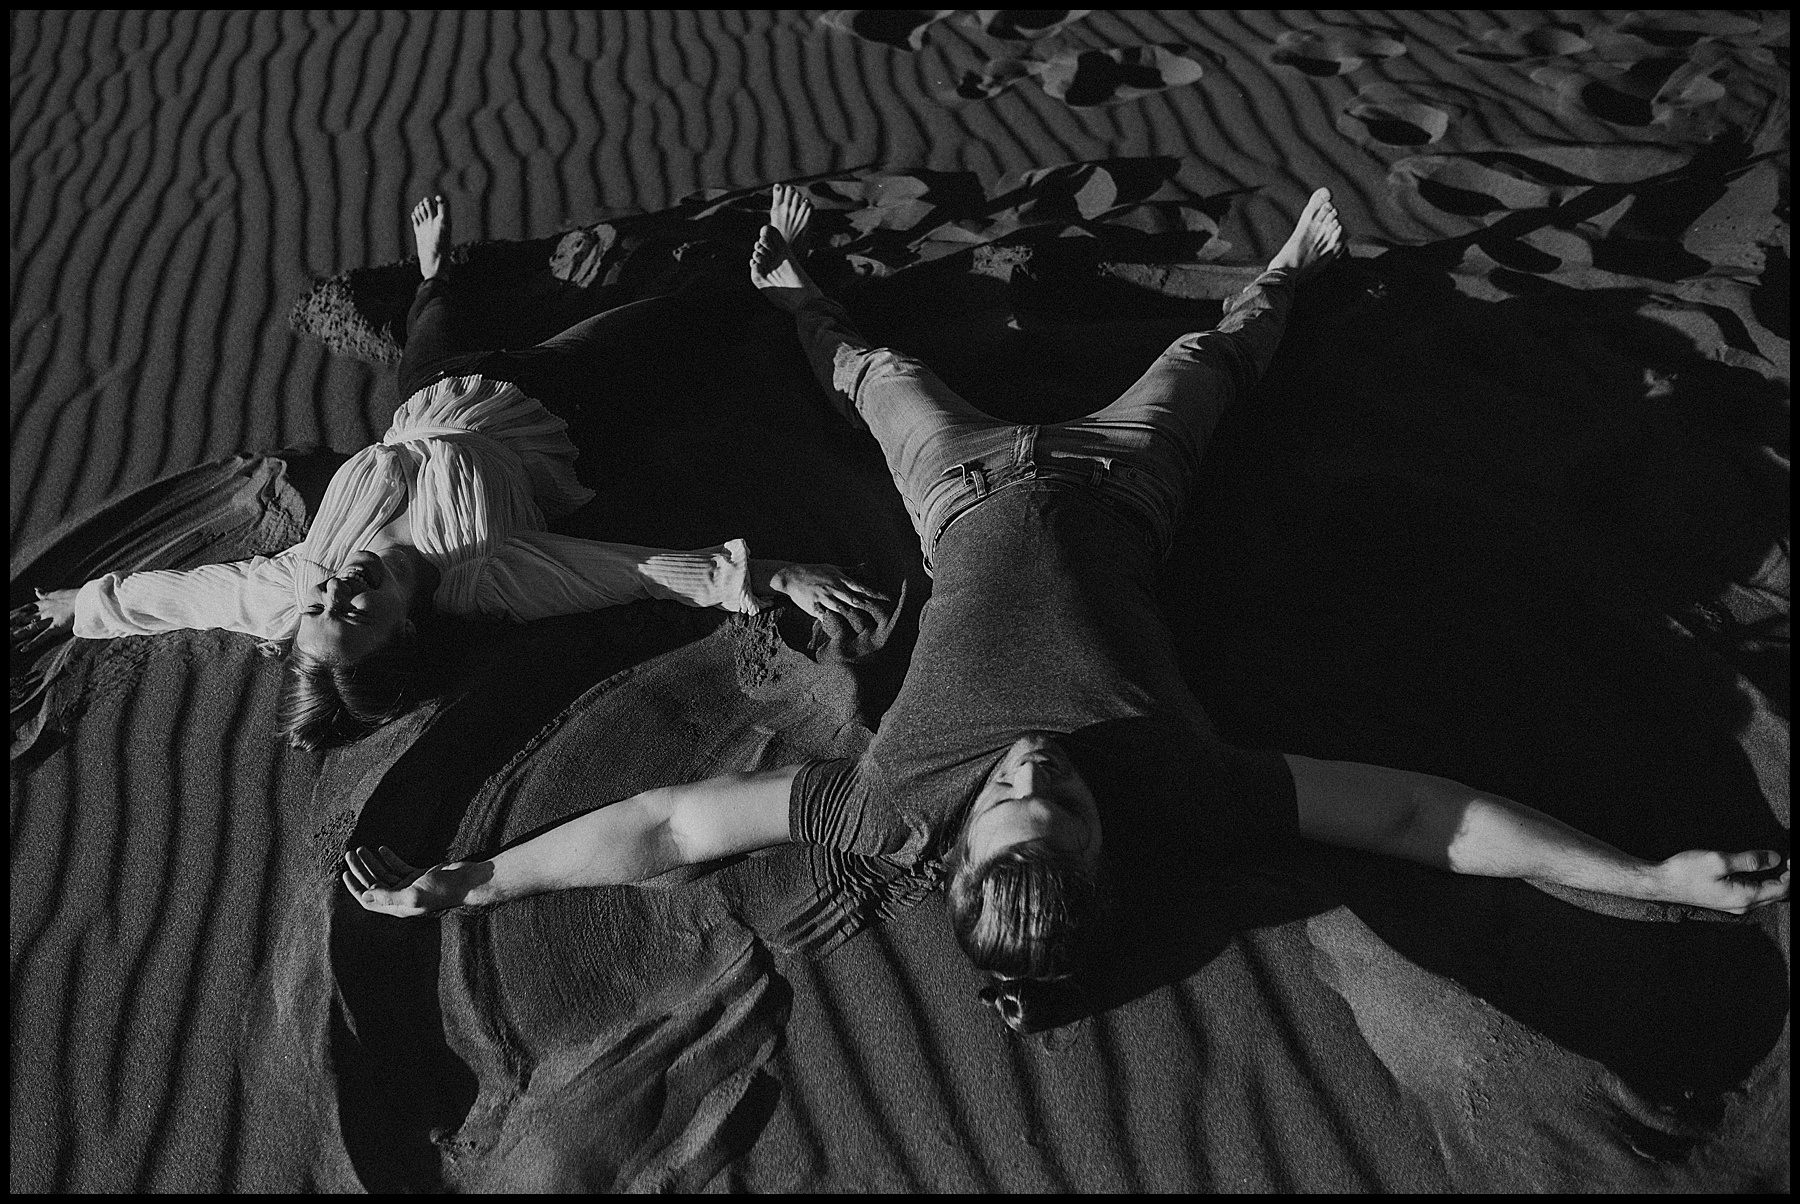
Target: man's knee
column 855, row 369
column 1229, row 356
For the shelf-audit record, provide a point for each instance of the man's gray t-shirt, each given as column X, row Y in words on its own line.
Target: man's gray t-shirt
column 1042, row 618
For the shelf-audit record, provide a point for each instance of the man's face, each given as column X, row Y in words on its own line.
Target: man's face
column 359, row 608
column 1034, row 793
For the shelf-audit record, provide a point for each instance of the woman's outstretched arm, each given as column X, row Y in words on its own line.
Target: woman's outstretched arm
column 255, row 596
column 630, row 841
column 539, row 574
column 1445, row 824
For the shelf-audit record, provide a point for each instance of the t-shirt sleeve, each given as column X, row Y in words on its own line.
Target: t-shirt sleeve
column 538, row 575
column 828, row 805
column 1261, row 787
column 254, row 596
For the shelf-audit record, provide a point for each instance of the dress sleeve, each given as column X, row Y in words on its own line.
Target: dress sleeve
column 255, row 596
column 537, row 575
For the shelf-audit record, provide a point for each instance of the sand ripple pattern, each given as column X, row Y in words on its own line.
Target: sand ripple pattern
column 178, row 178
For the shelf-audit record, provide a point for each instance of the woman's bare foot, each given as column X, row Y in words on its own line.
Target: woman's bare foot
column 773, row 266
column 1316, row 239
column 431, row 230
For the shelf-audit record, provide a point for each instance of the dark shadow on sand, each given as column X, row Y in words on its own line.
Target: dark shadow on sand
column 1481, row 539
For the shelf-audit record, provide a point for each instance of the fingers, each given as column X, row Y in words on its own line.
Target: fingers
column 45, row 636
column 357, row 868
column 839, row 579
column 1754, row 861
column 378, row 867
column 397, row 869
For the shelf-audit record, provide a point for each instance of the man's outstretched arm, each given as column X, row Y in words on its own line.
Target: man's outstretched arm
column 1455, row 827
column 630, row 841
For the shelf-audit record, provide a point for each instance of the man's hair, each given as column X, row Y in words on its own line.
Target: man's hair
column 328, row 703
column 1021, row 914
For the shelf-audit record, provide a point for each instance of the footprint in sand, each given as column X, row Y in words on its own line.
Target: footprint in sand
column 1662, row 69
column 1390, row 114
column 1679, row 31
column 1085, row 78
column 1026, row 24
column 901, row 28
column 1553, row 40
column 1332, row 51
column 1478, row 183
column 1659, row 91
column 1492, row 184
column 1469, row 188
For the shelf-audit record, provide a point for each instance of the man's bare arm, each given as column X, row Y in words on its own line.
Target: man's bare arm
column 1443, row 823
column 630, row 841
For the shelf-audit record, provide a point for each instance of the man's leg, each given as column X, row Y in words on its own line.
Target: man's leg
column 1161, row 424
column 924, row 428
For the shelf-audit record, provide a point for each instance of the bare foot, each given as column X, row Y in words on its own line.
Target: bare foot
column 1317, row 238
column 773, row 267
column 431, row 230
column 790, row 213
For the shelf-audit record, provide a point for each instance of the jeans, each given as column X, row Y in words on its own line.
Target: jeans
column 447, row 335
column 1140, row 455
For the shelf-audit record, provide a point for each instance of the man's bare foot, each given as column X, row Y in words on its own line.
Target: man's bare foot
column 431, row 230
column 1316, row 240
column 773, row 266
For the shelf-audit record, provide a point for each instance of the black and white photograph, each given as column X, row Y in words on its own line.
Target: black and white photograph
column 900, row 600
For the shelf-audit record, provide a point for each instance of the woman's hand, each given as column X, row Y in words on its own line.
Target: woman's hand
column 39, row 624
column 818, row 588
column 1734, row 882
column 382, row 882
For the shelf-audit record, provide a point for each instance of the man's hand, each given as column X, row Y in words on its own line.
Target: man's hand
column 1734, row 882
column 39, row 624
column 382, row 882
column 817, row 588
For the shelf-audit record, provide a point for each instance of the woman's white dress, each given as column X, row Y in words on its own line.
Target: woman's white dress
column 479, row 466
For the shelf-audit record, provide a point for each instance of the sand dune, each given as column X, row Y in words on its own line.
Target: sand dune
column 1559, row 363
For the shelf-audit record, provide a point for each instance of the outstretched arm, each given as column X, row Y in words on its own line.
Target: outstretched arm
column 255, row 596
column 1443, row 823
column 539, row 574
column 630, row 841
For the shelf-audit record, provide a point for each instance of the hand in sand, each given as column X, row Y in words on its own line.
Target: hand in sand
column 39, row 624
column 382, row 882
column 773, row 266
column 1734, row 882
column 821, row 588
column 1317, row 238
column 431, row 232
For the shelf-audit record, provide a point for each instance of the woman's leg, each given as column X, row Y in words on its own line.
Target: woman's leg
column 443, row 327
column 655, row 338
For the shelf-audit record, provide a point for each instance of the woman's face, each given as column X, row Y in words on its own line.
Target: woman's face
column 360, row 608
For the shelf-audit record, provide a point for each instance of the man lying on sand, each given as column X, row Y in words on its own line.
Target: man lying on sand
column 1040, row 649
column 447, row 514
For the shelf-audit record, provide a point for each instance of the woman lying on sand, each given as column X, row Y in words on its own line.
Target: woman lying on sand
column 446, row 513
column 1044, row 701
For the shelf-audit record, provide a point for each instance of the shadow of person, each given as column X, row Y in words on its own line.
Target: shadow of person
column 1467, row 538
